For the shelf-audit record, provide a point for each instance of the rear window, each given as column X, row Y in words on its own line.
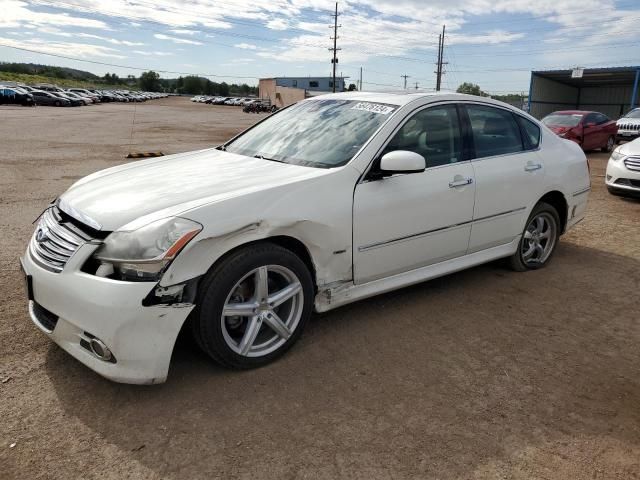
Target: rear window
column 562, row 120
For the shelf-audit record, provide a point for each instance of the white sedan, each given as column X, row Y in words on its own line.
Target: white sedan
column 329, row 201
column 623, row 170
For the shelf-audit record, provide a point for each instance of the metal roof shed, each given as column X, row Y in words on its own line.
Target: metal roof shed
column 612, row 91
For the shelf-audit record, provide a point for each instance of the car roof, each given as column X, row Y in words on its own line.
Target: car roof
column 403, row 97
column 572, row 112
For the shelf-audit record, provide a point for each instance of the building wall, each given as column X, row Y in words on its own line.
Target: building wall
column 277, row 95
column 613, row 101
column 309, row 83
column 549, row 96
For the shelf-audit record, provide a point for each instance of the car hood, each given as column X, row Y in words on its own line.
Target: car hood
column 630, row 148
column 109, row 199
column 628, row 121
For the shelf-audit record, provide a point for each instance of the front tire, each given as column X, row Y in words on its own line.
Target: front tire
column 253, row 306
column 539, row 239
column 611, row 143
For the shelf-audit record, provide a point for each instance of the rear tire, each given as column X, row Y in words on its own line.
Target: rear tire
column 57, row 103
column 539, row 239
column 611, row 143
column 253, row 306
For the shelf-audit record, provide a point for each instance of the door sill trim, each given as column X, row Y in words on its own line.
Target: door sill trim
column 343, row 293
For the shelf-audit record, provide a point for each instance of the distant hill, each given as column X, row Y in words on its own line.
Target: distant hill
column 47, row 71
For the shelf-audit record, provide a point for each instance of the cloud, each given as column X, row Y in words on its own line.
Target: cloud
column 184, row 31
column 277, row 24
column 153, row 53
column 16, row 14
column 246, row 46
column 162, row 36
column 73, row 49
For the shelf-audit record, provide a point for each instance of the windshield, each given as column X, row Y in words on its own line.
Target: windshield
column 562, row 120
column 633, row 114
column 317, row 133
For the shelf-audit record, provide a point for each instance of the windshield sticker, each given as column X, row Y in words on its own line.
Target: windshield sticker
column 373, row 108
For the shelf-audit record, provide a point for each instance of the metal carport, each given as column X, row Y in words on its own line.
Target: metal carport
column 612, row 91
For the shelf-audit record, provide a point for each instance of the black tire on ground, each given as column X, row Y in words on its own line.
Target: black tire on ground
column 57, row 103
column 516, row 261
column 206, row 320
column 611, row 143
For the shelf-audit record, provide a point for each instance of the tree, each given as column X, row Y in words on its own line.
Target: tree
column 352, row 87
column 149, row 81
column 471, row 89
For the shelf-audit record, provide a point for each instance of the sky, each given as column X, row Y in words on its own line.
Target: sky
column 493, row 43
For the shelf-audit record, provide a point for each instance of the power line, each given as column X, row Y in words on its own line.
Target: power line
column 95, row 62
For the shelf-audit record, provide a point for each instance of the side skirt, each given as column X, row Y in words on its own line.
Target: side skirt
column 341, row 294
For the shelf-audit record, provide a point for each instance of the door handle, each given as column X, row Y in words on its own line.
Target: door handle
column 532, row 167
column 460, row 183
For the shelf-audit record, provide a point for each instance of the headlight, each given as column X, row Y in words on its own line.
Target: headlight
column 145, row 253
column 616, row 155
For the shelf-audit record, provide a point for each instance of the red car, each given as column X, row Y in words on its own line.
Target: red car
column 590, row 130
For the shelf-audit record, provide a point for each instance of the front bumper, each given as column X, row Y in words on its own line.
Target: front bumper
column 621, row 179
column 627, row 134
column 140, row 338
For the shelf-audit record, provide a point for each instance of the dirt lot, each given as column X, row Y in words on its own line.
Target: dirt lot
column 482, row 374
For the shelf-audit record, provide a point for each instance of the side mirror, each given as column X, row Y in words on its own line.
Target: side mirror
column 402, row 161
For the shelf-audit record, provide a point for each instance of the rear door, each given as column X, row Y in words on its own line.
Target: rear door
column 509, row 174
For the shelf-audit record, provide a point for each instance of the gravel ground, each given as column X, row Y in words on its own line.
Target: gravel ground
column 483, row 374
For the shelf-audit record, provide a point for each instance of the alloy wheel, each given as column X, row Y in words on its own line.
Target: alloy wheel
column 539, row 239
column 262, row 311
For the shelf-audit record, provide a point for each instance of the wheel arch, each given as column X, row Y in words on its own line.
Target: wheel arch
column 556, row 199
column 287, row 242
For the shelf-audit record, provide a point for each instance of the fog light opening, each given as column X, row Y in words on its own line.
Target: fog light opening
column 100, row 350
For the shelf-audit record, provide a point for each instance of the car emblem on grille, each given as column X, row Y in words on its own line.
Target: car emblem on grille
column 41, row 234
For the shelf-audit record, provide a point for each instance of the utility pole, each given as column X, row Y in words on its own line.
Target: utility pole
column 360, row 84
column 416, row 85
column 335, row 48
column 405, row 80
column 439, row 70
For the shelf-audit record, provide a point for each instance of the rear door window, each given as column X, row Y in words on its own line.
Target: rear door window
column 494, row 130
column 530, row 133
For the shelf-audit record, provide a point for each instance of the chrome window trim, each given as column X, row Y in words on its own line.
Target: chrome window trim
column 416, row 110
column 500, row 107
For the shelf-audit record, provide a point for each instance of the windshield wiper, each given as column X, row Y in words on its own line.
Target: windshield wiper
column 262, row 157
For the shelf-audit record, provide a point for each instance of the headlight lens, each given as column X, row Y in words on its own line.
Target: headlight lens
column 616, row 155
column 145, row 253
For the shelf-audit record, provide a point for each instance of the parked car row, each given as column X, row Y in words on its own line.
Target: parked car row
column 51, row 95
column 234, row 101
column 594, row 130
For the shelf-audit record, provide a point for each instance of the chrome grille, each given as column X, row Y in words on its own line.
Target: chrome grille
column 55, row 240
column 628, row 126
column 632, row 163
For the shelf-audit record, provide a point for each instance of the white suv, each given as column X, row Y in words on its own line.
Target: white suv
column 329, row 201
column 623, row 170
